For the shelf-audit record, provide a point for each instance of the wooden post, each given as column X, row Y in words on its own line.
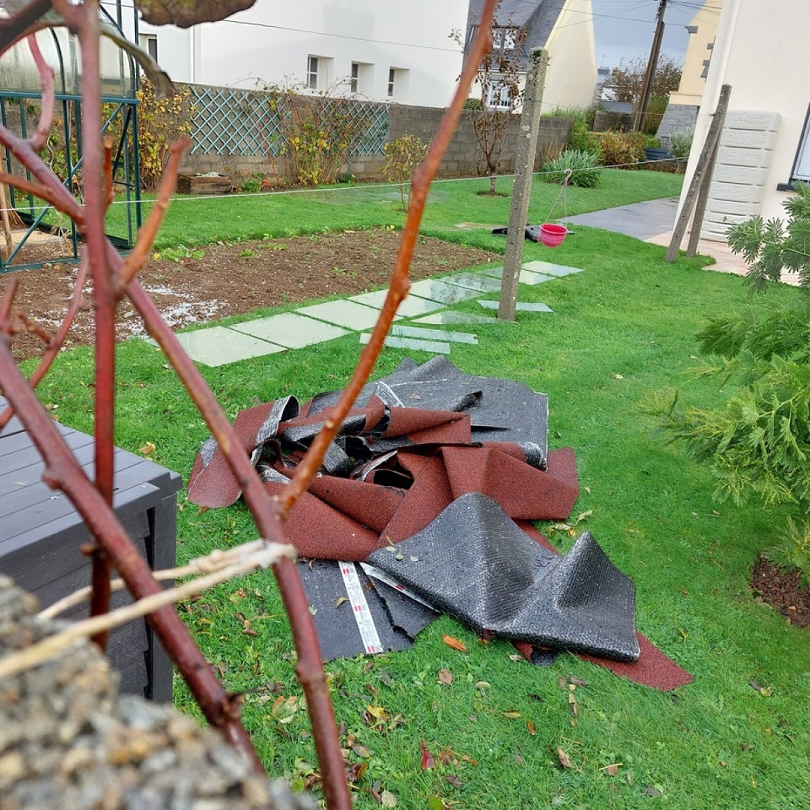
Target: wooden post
column 6, row 223
column 522, row 186
column 702, row 171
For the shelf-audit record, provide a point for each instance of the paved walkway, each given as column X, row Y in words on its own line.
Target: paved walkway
column 429, row 304
column 653, row 221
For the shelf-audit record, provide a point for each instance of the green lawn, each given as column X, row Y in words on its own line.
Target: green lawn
column 620, row 332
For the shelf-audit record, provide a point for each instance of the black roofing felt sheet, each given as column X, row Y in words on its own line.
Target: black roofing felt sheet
column 474, row 563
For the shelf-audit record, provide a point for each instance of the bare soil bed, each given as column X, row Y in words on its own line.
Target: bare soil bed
column 221, row 280
column 781, row 591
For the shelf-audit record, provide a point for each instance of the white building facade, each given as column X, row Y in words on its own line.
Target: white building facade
column 382, row 50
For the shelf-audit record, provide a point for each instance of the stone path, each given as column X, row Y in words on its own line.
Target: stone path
column 429, row 304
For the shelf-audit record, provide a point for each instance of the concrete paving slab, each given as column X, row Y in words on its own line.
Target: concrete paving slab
column 526, row 276
column 441, row 291
column 410, row 307
column 434, row 334
column 218, row 346
column 291, row 330
column 474, row 281
column 450, row 316
column 521, row 306
column 549, row 269
column 395, row 342
column 344, row 313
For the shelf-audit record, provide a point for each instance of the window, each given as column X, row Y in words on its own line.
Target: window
column 355, row 77
column 498, row 96
column 398, row 80
column 312, row 72
column 148, row 43
column 392, row 78
column 504, row 37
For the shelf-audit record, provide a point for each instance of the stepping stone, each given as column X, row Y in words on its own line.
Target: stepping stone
column 291, row 330
column 435, row 334
column 548, row 269
column 474, row 281
column 411, row 306
column 526, row 276
column 344, row 313
column 435, row 346
column 218, row 346
column 441, row 291
column 450, row 316
column 520, row 306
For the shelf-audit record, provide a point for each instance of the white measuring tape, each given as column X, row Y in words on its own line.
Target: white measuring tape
column 360, row 609
column 376, row 573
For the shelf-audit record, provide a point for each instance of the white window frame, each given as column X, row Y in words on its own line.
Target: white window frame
column 355, row 77
column 313, row 75
column 498, row 96
column 149, row 43
column 392, row 82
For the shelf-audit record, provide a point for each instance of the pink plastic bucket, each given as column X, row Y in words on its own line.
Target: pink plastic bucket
column 552, row 235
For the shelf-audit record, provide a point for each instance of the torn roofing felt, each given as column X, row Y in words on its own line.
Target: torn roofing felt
column 416, row 442
column 495, row 578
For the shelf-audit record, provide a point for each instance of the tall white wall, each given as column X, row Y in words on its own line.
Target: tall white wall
column 770, row 95
column 571, row 74
column 271, row 43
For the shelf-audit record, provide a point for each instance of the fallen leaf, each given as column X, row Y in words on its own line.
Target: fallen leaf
column 517, row 658
column 284, row 709
column 354, row 773
column 572, row 702
column 453, row 779
column 445, row 677
column 427, row 758
column 563, row 758
column 340, row 601
column 652, row 791
column 147, row 448
column 611, row 770
column 530, row 726
column 512, row 715
column 618, row 377
column 387, row 799
column 435, row 803
column 577, row 681
column 183, row 15
column 454, row 643
column 385, row 677
column 361, row 751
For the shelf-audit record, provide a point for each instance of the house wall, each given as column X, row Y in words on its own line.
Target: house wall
column 768, row 104
column 271, row 42
column 698, row 50
column 572, row 73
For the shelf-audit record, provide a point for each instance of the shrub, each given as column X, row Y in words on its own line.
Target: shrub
column 584, row 165
column 680, row 144
column 402, row 156
column 793, row 552
column 622, row 149
column 581, row 138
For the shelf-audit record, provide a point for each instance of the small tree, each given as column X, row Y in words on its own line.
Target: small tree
column 402, row 157
column 626, row 80
column 500, row 87
column 759, row 443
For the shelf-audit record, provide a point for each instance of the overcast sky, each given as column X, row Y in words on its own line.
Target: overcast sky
column 624, row 28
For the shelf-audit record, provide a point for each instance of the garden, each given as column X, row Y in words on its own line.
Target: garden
column 498, row 730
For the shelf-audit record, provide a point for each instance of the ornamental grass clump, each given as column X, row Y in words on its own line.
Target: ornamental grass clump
column 585, row 168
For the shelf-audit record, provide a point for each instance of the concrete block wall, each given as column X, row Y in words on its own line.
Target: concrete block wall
column 463, row 157
column 744, row 158
column 677, row 118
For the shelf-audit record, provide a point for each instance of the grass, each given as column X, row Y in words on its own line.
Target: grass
column 200, row 221
column 620, row 331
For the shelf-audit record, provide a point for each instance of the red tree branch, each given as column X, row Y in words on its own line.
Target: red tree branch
column 398, row 289
column 40, row 136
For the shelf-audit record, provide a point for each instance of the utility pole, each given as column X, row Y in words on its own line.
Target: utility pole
column 646, row 87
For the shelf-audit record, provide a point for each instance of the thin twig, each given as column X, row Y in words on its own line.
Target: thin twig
column 109, row 185
column 43, row 130
column 35, row 654
column 55, row 344
column 41, row 191
column 146, row 236
column 398, row 289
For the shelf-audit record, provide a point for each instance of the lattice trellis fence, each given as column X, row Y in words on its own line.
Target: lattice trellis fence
column 230, row 121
